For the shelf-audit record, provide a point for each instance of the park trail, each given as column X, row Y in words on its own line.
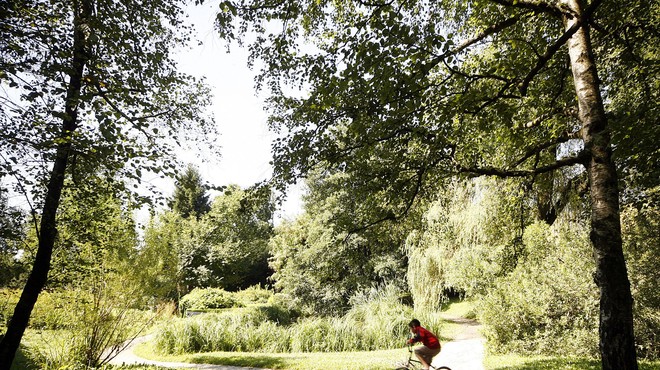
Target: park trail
column 465, row 352
column 127, row 357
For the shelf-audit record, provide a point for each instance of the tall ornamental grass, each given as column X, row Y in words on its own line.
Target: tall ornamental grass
column 377, row 321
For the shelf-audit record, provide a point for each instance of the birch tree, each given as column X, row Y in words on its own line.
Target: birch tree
column 402, row 94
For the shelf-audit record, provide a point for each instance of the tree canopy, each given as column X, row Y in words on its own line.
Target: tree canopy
column 402, row 94
column 89, row 88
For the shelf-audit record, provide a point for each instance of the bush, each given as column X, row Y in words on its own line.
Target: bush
column 51, row 312
column 8, row 300
column 641, row 242
column 253, row 294
column 549, row 303
column 96, row 321
column 208, row 298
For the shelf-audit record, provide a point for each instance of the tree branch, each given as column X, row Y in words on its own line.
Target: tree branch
column 504, row 173
column 540, row 147
column 535, row 5
column 467, row 43
column 552, row 50
column 103, row 94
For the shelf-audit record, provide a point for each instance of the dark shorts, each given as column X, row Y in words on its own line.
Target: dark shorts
column 427, row 353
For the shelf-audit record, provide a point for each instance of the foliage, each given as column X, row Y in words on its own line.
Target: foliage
column 238, row 228
column 96, row 235
column 226, row 248
column 400, row 95
column 134, row 106
column 89, row 298
column 190, row 198
column 8, row 299
column 630, row 50
column 563, row 316
column 324, row 256
column 53, row 310
column 92, row 322
column 641, row 235
column 208, row 298
column 89, row 89
column 156, row 267
column 375, row 321
column 470, row 236
column 11, row 233
column 253, row 294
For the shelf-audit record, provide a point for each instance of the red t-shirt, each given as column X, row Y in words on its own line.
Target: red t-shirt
column 426, row 337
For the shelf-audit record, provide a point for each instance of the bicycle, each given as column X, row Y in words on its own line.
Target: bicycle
column 413, row 364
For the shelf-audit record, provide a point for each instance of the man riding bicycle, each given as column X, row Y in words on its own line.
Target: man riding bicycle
column 430, row 343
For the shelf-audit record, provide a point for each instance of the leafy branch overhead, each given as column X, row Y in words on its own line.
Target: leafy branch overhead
column 401, row 95
column 480, row 87
column 133, row 107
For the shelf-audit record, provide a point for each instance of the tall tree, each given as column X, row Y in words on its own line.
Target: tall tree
column 225, row 248
column 190, row 197
column 91, row 88
column 238, row 228
column 400, row 94
column 321, row 262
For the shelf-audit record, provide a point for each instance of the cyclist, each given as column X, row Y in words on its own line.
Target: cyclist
column 430, row 343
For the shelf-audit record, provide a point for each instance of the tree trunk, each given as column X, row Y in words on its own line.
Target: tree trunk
column 48, row 228
column 617, row 342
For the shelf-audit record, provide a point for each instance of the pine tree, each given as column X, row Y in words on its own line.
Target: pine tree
column 190, row 197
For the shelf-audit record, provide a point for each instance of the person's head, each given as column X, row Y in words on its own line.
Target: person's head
column 413, row 323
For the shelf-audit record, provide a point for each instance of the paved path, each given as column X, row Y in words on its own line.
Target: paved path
column 466, row 351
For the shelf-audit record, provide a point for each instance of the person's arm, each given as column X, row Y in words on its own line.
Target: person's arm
column 414, row 339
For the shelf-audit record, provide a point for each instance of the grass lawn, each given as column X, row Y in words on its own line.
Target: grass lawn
column 459, row 308
column 384, row 359
column 374, row 360
column 520, row 362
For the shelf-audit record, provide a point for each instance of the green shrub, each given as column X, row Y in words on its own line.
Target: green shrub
column 253, row 294
column 57, row 309
column 208, row 298
column 8, row 300
column 549, row 303
column 49, row 313
column 97, row 318
column 641, row 242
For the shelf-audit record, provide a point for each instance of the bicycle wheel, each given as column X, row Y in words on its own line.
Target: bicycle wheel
column 442, row 368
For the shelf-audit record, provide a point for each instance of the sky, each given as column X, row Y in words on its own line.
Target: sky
column 245, row 140
column 242, row 122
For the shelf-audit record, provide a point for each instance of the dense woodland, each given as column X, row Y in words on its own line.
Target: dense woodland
column 501, row 152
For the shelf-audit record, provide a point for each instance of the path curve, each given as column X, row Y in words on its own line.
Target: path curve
column 466, row 351
column 127, row 357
